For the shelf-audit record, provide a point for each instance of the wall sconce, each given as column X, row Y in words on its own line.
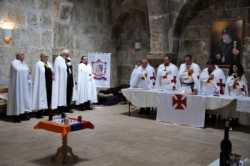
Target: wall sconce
column 7, row 27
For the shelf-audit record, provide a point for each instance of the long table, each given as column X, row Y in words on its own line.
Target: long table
column 176, row 107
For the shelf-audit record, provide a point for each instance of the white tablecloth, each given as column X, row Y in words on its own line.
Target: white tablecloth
column 198, row 104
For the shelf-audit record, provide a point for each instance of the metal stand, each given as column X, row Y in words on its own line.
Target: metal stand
column 64, row 153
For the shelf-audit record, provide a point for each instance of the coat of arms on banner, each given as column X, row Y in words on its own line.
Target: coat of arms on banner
column 99, row 70
column 179, row 102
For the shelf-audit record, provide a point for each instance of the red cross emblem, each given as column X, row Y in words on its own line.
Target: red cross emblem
column 221, row 86
column 179, row 102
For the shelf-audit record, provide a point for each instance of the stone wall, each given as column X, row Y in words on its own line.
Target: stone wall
column 84, row 26
column 173, row 26
column 34, row 32
column 50, row 25
column 132, row 29
column 162, row 18
column 183, row 27
column 130, row 25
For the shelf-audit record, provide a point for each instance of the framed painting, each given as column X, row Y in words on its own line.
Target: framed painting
column 226, row 41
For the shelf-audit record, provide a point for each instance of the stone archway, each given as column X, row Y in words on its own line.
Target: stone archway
column 130, row 27
column 187, row 12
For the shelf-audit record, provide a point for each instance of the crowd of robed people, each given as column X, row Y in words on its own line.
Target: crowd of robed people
column 189, row 78
column 52, row 88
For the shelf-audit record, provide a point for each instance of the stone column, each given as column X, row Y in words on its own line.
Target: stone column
column 162, row 17
column 158, row 22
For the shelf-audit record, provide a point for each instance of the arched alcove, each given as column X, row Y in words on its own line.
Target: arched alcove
column 129, row 28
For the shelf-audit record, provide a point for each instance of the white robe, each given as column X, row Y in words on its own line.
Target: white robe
column 185, row 78
column 211, row 87
column 240, row 89
column 86, row 87
column 144, row 78
column 133, row 75
column 20, row 89
column 59, row 87
column 39, row 87
column 167, row 77
column 237, row 90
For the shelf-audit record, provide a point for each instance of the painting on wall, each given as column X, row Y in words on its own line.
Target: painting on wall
column 226, row 41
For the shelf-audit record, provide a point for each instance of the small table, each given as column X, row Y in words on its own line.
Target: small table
column 65, row 152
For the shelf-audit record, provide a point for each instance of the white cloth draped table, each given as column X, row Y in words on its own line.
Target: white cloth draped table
column 198, row 103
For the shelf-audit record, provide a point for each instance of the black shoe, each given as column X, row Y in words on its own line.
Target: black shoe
column 39, row 114
column 24, row 117
column 142, row 111
column 89, row 108
column 46, row 112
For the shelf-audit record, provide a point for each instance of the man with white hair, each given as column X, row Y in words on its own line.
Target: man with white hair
column 42, row 89
column 59, row 87
column 144, row 77
column 20, row 93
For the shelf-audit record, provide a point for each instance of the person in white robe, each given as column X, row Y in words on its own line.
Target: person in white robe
column 86, row 87
column 236, row 84
column 212, row 80
column 42, row 88
column 189, row 75
column 167, row 74
column 20, row 89
column 133, row 74
column 144, row 76
column 59, row 86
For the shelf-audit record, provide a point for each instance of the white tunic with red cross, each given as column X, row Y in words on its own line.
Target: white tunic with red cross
column 167, row 77
column 236, row 86
column 143, row 78
column 213, row 83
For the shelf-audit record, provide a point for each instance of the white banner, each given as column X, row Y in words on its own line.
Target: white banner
column 101, row 65
column 182, row 109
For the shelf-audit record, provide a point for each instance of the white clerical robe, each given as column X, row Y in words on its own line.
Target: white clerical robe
column 144, row 78
column 189, row 75
column 213, row 83
column 20, row 89
column 167, row 77
column 59, row 85
column 133, row 75
column 86, row 87
column 236, row 86
column 39, row 87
